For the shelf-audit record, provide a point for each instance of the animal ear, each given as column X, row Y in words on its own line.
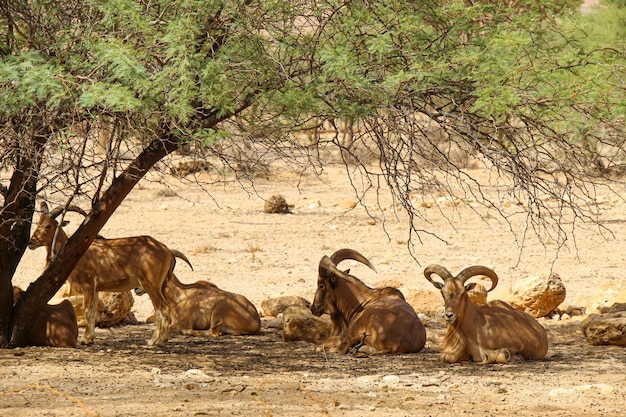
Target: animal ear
column 64, row 223
column 347, row 271
column 333, row 280
column 438, row 285
column 470, row 286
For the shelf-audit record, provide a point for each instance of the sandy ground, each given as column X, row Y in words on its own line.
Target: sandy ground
column 233, row 243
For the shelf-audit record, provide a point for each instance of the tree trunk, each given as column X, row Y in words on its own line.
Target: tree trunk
column 15, row 219
column 56, row 273
column 44, row 288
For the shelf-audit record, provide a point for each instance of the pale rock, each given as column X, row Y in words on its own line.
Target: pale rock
column 538, row 295
column 425, row 302
column 604, row 389
column 391, row 379
column 117, row 306
column 300, row 324
column 314, row 205
column 195, row 373
column 113, row 308
column 273, row 323
column 605, row 329
column 368, row 378
column 613, row 308
column 275, row 306
column 606, row 296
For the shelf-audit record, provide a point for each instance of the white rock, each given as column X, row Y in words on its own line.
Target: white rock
column 391, row 379
column 195, row 372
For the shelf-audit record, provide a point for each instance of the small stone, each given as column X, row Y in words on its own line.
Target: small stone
column 277, row 204
column 391, row 379
column 348, row 203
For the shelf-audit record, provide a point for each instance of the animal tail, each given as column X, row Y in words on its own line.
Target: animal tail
column 182, row 256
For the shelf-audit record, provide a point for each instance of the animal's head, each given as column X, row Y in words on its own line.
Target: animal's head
column 47, row 225
column 328, row 276
column 454, row 289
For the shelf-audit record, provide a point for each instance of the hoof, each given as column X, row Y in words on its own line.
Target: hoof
column 159, row 342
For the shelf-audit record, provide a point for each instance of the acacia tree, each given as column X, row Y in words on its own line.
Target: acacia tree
column 227, row 79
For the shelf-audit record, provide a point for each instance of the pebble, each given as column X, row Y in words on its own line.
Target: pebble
column 391, row 379
column 195, row 372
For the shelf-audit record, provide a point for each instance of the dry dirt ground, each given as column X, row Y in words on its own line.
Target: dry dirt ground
column 233, row 243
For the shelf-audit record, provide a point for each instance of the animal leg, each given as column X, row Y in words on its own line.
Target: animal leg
column 198, row 333
column 161, row 329
column 161, row 313
column 345, row 343
column 90, row 306
column 156, row 334
column 164, row 325
column 216, row 323
column 330, row 344
column 160, row 334
column 355, row 348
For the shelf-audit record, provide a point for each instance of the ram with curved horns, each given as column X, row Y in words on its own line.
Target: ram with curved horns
column 494, row 332
column 378, row 318
column 113, row 265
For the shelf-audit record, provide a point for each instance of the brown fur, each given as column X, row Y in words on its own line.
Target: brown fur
column 378, row 318
column 115, row 265
column 55, row 325
column 488, row 333
column 202, row 309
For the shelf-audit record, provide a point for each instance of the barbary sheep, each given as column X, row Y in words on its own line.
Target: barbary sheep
column 378, row 318
column 113, row 265
column 202, row 309
column 493, row 332
column 55, row 325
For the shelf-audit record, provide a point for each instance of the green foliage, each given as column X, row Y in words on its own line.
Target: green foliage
column 183, row 62
column 27, row 80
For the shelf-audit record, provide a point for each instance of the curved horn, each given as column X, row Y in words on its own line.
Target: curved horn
column 179, row 254
column 327, row 265
column 343, row 254
column 438, row 270
column 472, row 271
column 58, row 210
